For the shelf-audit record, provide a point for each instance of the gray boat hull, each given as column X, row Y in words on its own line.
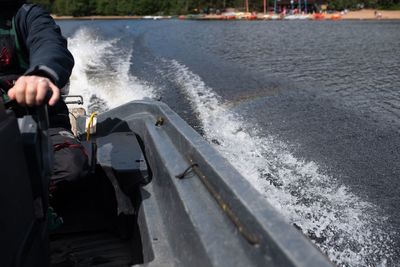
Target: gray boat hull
column 198, row 210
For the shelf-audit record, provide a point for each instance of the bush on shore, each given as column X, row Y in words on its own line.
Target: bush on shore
column 177, row 7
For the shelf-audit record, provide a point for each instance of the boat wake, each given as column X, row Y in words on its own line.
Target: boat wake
column 102, row 72
column 346, row 228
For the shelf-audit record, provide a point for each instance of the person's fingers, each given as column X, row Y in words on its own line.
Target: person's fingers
column 42, row 88
column 56, row 94
column 17, row 92
column 30, row 92
column 11, row 93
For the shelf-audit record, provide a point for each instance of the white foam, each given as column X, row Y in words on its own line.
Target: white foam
column 102, row 70
column 346, row 228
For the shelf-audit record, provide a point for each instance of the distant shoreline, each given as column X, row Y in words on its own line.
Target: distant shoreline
column 364, row 14
column 96, row 17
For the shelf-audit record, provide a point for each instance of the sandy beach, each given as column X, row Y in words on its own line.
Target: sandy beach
column 370, row 14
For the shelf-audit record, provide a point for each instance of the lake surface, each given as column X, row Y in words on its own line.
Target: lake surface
column 307, row 111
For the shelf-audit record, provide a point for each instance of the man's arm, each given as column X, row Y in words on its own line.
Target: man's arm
column 47, row 48
column 50, row 62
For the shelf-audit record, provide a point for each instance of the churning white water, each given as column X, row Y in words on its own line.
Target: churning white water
column 347, row 229
column 101, row 73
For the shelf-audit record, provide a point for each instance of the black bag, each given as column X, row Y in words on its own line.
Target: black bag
column 70, row 157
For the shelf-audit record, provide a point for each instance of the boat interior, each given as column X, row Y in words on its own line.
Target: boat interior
column 158, row 194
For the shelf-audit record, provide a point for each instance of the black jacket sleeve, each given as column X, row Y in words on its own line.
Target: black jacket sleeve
column 40, row 37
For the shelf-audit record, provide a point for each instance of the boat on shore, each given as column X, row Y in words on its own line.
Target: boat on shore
column 158, row 195
column 318, row 16
column 363, row 14
column 297, row 17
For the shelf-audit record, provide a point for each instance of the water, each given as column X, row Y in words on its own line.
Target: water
column 308, row 112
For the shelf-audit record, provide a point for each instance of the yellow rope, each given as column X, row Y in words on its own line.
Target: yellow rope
column 94, row 114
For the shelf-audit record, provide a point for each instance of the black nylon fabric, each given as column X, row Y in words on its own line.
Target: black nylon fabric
column 8, row 8
column 35, row 27
column 13, row 62
column 70, row 161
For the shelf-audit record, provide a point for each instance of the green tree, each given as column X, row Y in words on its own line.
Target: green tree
column 146, row 7
column 124, row 7
column 174, row 7
column 47, row 4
